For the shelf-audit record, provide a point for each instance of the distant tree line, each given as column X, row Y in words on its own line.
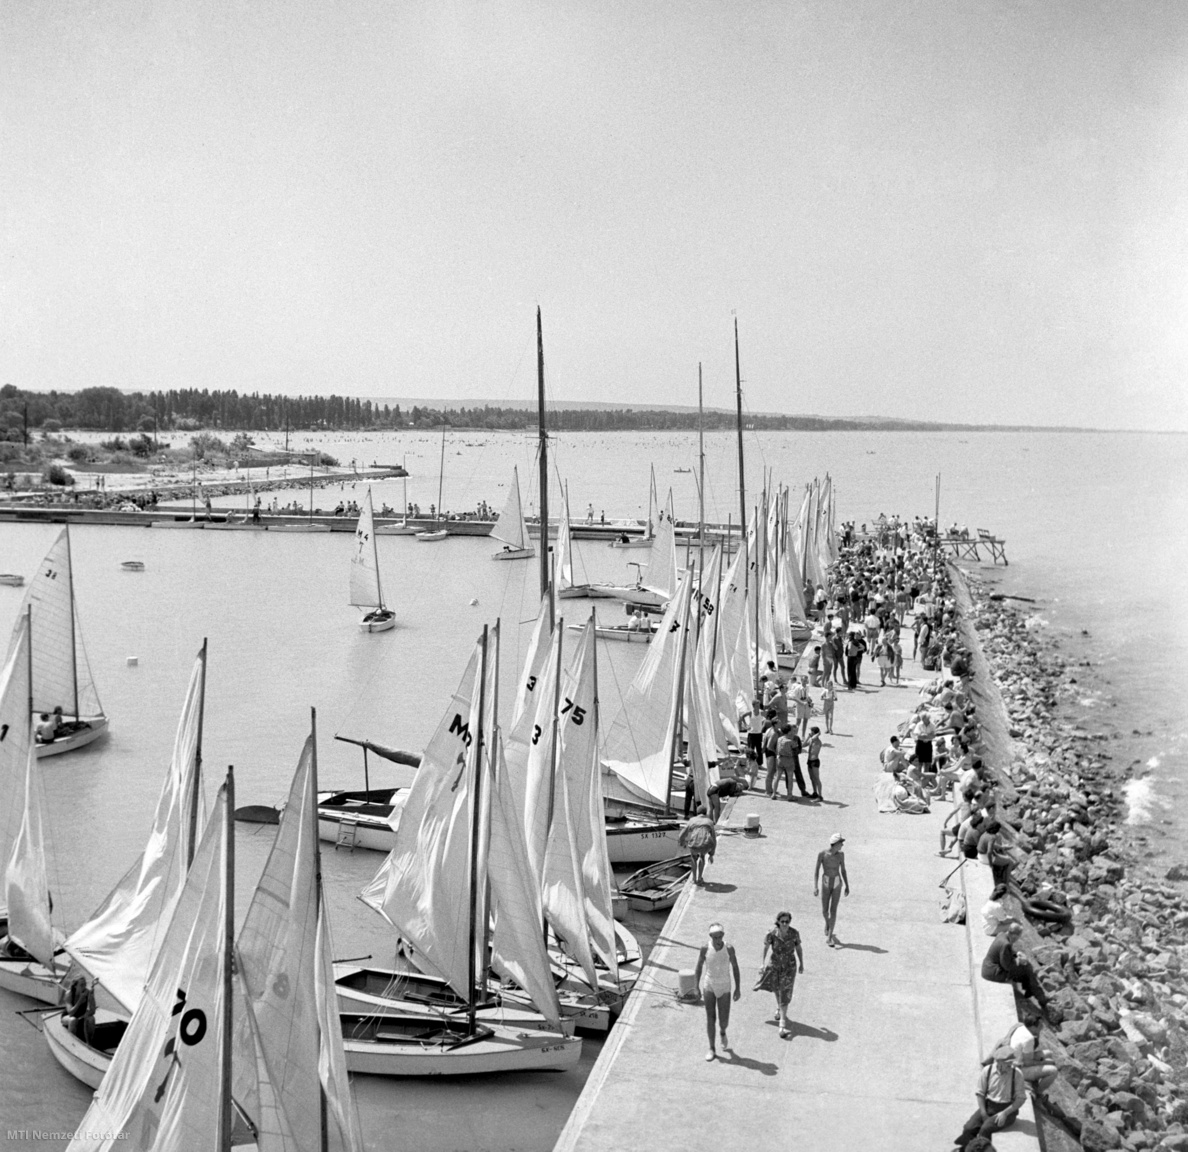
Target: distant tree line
column 189, row 409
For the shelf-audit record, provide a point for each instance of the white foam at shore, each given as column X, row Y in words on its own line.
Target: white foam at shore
column 1143, row 803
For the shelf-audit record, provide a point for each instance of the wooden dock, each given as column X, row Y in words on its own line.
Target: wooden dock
column 974, row 547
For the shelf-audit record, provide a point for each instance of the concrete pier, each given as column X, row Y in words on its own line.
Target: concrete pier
column 890, row 1028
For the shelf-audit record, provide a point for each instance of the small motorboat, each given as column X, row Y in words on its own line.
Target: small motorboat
column 656, row 887
column 133, row 565
column 11, row 579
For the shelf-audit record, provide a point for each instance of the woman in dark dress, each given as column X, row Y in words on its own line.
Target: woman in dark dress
column 779, row 976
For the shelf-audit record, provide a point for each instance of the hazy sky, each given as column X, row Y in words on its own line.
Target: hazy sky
column 948, row 209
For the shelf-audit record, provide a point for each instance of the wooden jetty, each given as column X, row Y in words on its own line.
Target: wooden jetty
column 973, row 547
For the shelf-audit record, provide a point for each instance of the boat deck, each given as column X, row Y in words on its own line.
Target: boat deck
column 889, row 1029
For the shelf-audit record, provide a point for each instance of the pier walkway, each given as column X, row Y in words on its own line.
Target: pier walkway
column 889, row 1028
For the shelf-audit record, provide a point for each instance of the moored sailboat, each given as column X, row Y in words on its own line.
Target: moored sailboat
column 61, row 671
column 28, row 949
column 510, row 527
column 114, row 948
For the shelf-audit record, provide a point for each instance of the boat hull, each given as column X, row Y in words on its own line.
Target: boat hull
column 431, row 537
column 11, row 581
column 644, row 543
column 374, row 1046
column 31, row 979
column 85, row 1062
column 641, row 842
column 656, row 887
column 95, row 726
column 177, row 523
column 514, row 554
column 396, row 530
column 370, row 832
column 306, row 527
column 388, row 991
column 378, row 624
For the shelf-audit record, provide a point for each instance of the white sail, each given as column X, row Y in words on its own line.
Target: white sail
column 116, row 944
column 332, row 1070
column 564, row 547
column 653, row 506
column 423, row 886
column 579, row 761
column 15, row 738
column 793, row 603
column 733, row 670
column 365, row 578
column 562, row 889
column 161, row 1092
column 528, row 756
column 638, row 744
column 538, row 653
column 61, row 672
column 279, row 959
column 510, row 527
column 662, row 567
column 707, row 710
column 517, row 945
column 26, row 883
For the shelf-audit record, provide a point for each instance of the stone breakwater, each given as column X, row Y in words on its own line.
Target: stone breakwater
column 1117, row 971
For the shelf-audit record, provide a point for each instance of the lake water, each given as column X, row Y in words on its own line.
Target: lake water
column 1094, row 526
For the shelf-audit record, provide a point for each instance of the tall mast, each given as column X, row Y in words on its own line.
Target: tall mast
column 742, row 479
column 559, row 634
column 226, row 1109
column 317, row 859
column 379, row 588
column 758, row 585
column 311, row 471
column 700, row 484
column 441, row 474
column 546, row 584
column 680, row 708
column 475, row 813
column 196, row 791
column 70, row 582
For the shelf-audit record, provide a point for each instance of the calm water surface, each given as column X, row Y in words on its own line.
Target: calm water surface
column 1094, row 526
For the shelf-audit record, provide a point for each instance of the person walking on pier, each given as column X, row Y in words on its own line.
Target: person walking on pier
column 779, row 975
column 832, row 862
column 719, row 965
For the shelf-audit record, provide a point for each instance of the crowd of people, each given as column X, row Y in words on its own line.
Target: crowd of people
column 885, row 584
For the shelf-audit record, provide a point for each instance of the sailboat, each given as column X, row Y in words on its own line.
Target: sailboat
column 233, row 1045
column 649, row 535
column 431, row 535
column 29, row 946
column 62, row 680
column 366, row 590
column 651, row 591
column 510, row 527
column 116, row 945
column 458, row 866
column 260, row 1057
column 404, row 528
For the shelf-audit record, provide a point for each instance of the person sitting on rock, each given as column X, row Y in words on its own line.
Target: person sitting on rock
column 1003, row 965
column 1034, row 1061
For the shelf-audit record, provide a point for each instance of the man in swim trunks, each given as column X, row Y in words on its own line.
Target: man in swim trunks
column 831, row 862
